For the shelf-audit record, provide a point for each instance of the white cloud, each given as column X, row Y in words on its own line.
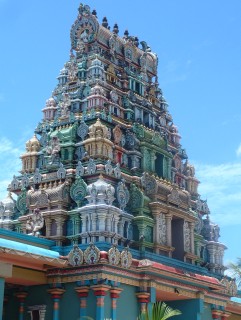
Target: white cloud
column 221, row 186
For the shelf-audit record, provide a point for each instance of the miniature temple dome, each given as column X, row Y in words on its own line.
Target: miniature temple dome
column 210, row 231
column 8, row 204
column 50, row 102
column 97, row 62
column 96, row 69
column 63, row 72
column 97, row 90
column 98, row 130
column 49, row 109
column 100, row 192
column 33, row 145
column 189, row 169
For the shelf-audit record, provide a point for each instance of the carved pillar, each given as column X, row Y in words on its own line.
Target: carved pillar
column 56, row 294
column 83, row 294
column 48, row 226
column 156, row 226
column 192, row 225
column 116, row 219
column 100, row 291
column 169, row 229
column 143, row 299
column 60, row 223
column 77, row 225
column 211, row 251
column 93, row 220
column 21, row 296
column 84, row 218
column 114, row 294
column 108, row 223
column 153, row 158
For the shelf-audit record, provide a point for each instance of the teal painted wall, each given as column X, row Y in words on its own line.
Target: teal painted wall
column 11, row 307
column 38, row 295
column 69, row 304
column 191, row 309
column 207, row 312
column 2, row 283
column 91, row 305
column 127, row 305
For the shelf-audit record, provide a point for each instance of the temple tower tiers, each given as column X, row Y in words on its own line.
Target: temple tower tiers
column 106, row 163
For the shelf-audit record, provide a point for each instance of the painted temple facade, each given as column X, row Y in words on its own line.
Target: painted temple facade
column 105, row 215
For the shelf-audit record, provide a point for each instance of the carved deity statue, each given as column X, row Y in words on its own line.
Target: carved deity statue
column 53, row 150
column 35, row 223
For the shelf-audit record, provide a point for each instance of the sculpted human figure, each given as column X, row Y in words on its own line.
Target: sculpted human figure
column 53, row 149
column 35, row 223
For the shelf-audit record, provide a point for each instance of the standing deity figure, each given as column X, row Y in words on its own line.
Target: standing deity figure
column 65, row 105
column 53, row 150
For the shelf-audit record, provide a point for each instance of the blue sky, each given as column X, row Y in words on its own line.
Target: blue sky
column 199, row 49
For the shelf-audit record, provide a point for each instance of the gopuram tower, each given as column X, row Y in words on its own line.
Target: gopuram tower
column 105, row 215
column 105, row 165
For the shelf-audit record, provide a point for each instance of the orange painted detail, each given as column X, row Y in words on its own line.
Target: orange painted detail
column 83, row 303
column 216, row 314
column 115, row 293
column 113, row 304
column 100, row 301
column 21, row 309
column 143, row 297
column 56, row 305
column 225, row 315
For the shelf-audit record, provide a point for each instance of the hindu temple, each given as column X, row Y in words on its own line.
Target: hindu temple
column 104, row 216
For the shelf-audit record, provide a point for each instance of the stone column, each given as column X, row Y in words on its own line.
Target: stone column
column 60, row 223
column 192, row 237
column 156, row 226
column 56, row 294
column 48, row 226
column 169, row 229
column 77, row 225
column 153, row 158
column 143, row 299
column 100, row 291
column 21, row 296
column 108, row 223
column 114, row 294
column 83, row 294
